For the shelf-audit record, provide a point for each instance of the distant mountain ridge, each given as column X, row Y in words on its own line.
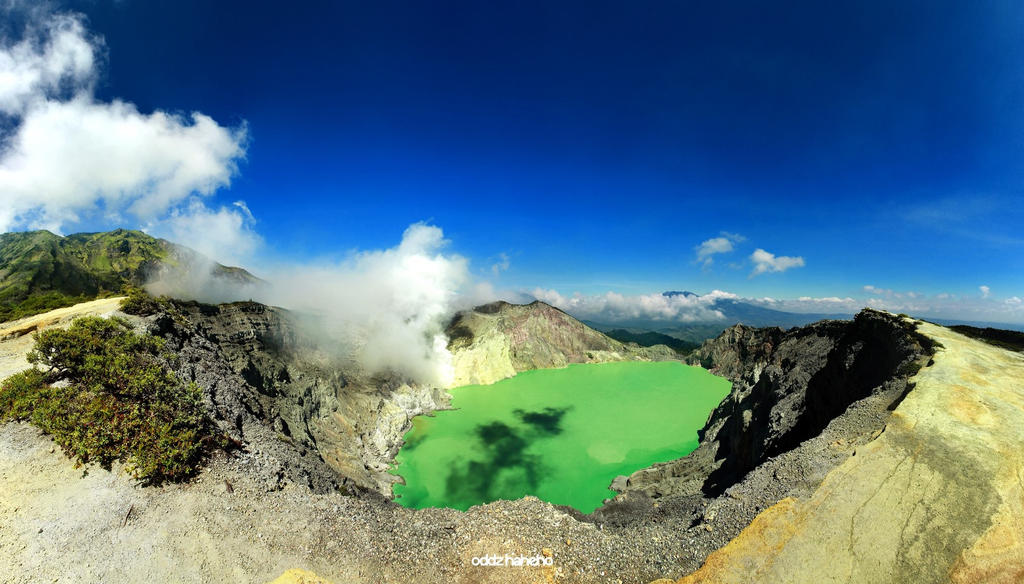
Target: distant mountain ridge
column 735, row 312
column 40, row 270
column 651, row 338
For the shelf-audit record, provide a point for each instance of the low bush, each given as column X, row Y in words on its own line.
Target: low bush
column 139, row 302
column 19, row 393
column 116, row 400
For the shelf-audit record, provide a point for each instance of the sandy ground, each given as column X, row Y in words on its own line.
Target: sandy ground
column 16, row 336
column 58, row 525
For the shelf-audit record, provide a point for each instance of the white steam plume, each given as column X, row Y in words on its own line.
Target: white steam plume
column 389, row 306
column 67, row 158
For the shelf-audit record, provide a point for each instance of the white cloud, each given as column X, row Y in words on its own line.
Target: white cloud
column 985, row 291
column 889, row 293
column 716, row 245
column 245, row 209
column 54, row 54
column 226, row 234
column 69, row 157
column 614, row 307
column 765, row 262
column 805, row 304
column 501, row 265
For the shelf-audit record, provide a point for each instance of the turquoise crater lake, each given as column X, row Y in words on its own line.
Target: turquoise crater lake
column 561, row 435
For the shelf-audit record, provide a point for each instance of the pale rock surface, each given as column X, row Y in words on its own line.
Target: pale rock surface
column 938, row 496
column 498, row 340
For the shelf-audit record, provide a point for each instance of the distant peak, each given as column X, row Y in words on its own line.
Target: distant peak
column 684, row 293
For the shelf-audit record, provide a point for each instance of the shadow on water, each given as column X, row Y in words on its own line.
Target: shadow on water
column 506, row 469
column 548, row 421
column 414, row 440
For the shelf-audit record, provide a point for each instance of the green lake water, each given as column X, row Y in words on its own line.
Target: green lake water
column 559, row 434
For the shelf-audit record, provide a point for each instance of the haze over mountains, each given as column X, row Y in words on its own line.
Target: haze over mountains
column 731, row 311
column 720, row 312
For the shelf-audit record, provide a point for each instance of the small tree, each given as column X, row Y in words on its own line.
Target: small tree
column 118, row 401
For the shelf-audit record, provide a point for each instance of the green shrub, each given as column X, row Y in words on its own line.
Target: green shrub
column 139, row 302
column 19, row 392
column 118, row 401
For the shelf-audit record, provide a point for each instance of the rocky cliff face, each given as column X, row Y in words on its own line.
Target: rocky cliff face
column 266, row 375
column 787, row 387
column 498, row 340
column 273, row 384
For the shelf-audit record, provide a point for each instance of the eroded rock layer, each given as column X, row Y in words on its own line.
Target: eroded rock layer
column 498, row 340
column 787, row 387
column 936, row 497
column 265, row 373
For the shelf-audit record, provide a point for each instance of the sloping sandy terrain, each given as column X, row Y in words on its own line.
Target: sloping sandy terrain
column 16, row 336
column 937, row 497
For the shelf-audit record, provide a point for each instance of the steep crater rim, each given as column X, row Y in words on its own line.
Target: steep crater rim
column 788, row 387
column 311, row 421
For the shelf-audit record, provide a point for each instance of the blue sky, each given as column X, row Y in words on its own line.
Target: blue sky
column 593, row 145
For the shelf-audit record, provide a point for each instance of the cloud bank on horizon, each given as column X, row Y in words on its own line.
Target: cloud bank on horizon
column 612, row 307
column 615, row 307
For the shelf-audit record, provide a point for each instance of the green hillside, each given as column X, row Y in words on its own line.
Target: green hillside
column 651, row 338
column 41, row 271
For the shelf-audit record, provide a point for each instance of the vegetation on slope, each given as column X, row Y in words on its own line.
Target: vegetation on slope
column 1012, row 340
column 138, row 302
column 105, row 394
column 40, row 271
column 651, row 338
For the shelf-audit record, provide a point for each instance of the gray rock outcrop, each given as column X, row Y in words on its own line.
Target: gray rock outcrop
column 787, row 387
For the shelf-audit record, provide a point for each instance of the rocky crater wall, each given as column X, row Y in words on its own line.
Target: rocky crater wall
column 270, row 373
column 498, row 340
column 282, row 389
column 788, row 386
